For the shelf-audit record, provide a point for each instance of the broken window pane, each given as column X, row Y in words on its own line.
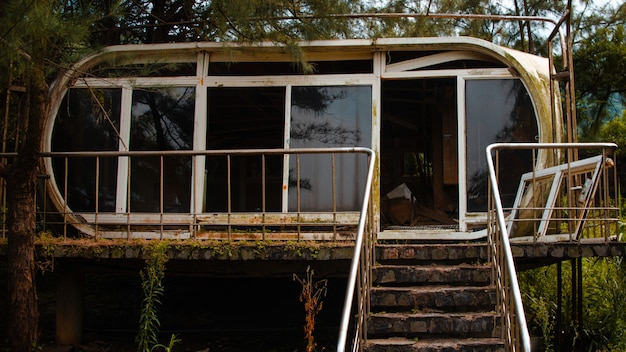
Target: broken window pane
column 245, row 118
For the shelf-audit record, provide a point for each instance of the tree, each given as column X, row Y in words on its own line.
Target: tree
column 600, row 63
column 33, row 34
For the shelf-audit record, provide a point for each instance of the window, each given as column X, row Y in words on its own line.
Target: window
column 161, row 119
column 497, row 110
column 88, row 120
column 335, row 116
column 244, row 118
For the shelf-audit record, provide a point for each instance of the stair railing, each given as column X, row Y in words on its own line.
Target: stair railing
column 510, row 306
column 359, row 279
column 583, row 196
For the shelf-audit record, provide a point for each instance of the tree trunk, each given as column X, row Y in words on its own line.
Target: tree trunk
column 23, row 310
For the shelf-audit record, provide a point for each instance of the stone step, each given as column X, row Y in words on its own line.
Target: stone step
column 465, row 274
column 447, row 345
column 466, row 252
column 430, row 325
column 433, row 298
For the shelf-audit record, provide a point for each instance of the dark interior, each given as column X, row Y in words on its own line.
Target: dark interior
column 419, row 150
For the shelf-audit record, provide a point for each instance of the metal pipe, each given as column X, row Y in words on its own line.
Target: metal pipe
column 507, row 253
column 334, row 194
column 161, row 200
column 229, row 194
column 263, row 206
column 298, row 194
column 354, row 267
column 97, row 202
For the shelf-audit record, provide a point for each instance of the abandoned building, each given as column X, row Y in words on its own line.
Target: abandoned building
column 422, row 169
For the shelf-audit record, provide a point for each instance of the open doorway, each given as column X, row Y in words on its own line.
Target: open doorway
column 419, row 153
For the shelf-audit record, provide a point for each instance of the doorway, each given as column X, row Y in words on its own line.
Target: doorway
column 419, row 154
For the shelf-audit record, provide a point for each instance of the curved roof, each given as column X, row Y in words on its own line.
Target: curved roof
column 533, row 70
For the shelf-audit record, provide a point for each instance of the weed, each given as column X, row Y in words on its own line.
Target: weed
column 224, row 248
column 311, row 295
column 604, row 304
column 259, row 249
column 46, row 241
column 170, row 346
column 314, row 252
column 152, row 287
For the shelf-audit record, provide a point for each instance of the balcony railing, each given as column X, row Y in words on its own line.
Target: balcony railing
column 258, row 194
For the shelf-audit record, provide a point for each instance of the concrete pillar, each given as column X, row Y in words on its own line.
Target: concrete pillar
column 69, row 307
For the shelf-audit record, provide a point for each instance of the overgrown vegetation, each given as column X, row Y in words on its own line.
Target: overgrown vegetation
column 152, row 287
column 311, row 295
column 604, row 305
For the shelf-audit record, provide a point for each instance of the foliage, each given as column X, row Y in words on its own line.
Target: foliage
column 615, row 131
column 252, row 21
column 58, row 30
column 152, row 287
column 600, row 63
column 170, row 346
column 604, row 304
column 311, row 295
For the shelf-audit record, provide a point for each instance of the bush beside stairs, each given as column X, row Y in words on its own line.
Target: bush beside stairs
column 433, row 297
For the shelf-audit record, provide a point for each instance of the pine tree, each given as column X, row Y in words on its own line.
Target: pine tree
column 34, row 33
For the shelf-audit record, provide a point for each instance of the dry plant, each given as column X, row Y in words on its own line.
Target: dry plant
column 311, row 295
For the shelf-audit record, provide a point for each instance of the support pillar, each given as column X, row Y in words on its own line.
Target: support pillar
column 69, row 307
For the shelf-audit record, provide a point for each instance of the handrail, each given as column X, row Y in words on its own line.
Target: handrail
column 356, row 259
column 508, row 254
column 501, row 222
column 191, row 152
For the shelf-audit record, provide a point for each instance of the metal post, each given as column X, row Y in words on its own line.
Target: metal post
column 559, row 306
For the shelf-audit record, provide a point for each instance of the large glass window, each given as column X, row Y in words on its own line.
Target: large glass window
column 322, row 117
column 497, row 110
column 161, row 119
column 88, row 120
column 245, row 118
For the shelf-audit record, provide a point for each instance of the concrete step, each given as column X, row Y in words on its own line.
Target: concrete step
column 429, row 325
column 427, row 252
column 440, row 345
column 433, row 298
column 465, row 274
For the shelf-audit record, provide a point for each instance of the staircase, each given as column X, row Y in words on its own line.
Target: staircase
column 433, row 297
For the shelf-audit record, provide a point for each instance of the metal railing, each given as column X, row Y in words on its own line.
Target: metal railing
column 359, row 279
column 559, row 199
column 360, row 275
column 192, row 215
